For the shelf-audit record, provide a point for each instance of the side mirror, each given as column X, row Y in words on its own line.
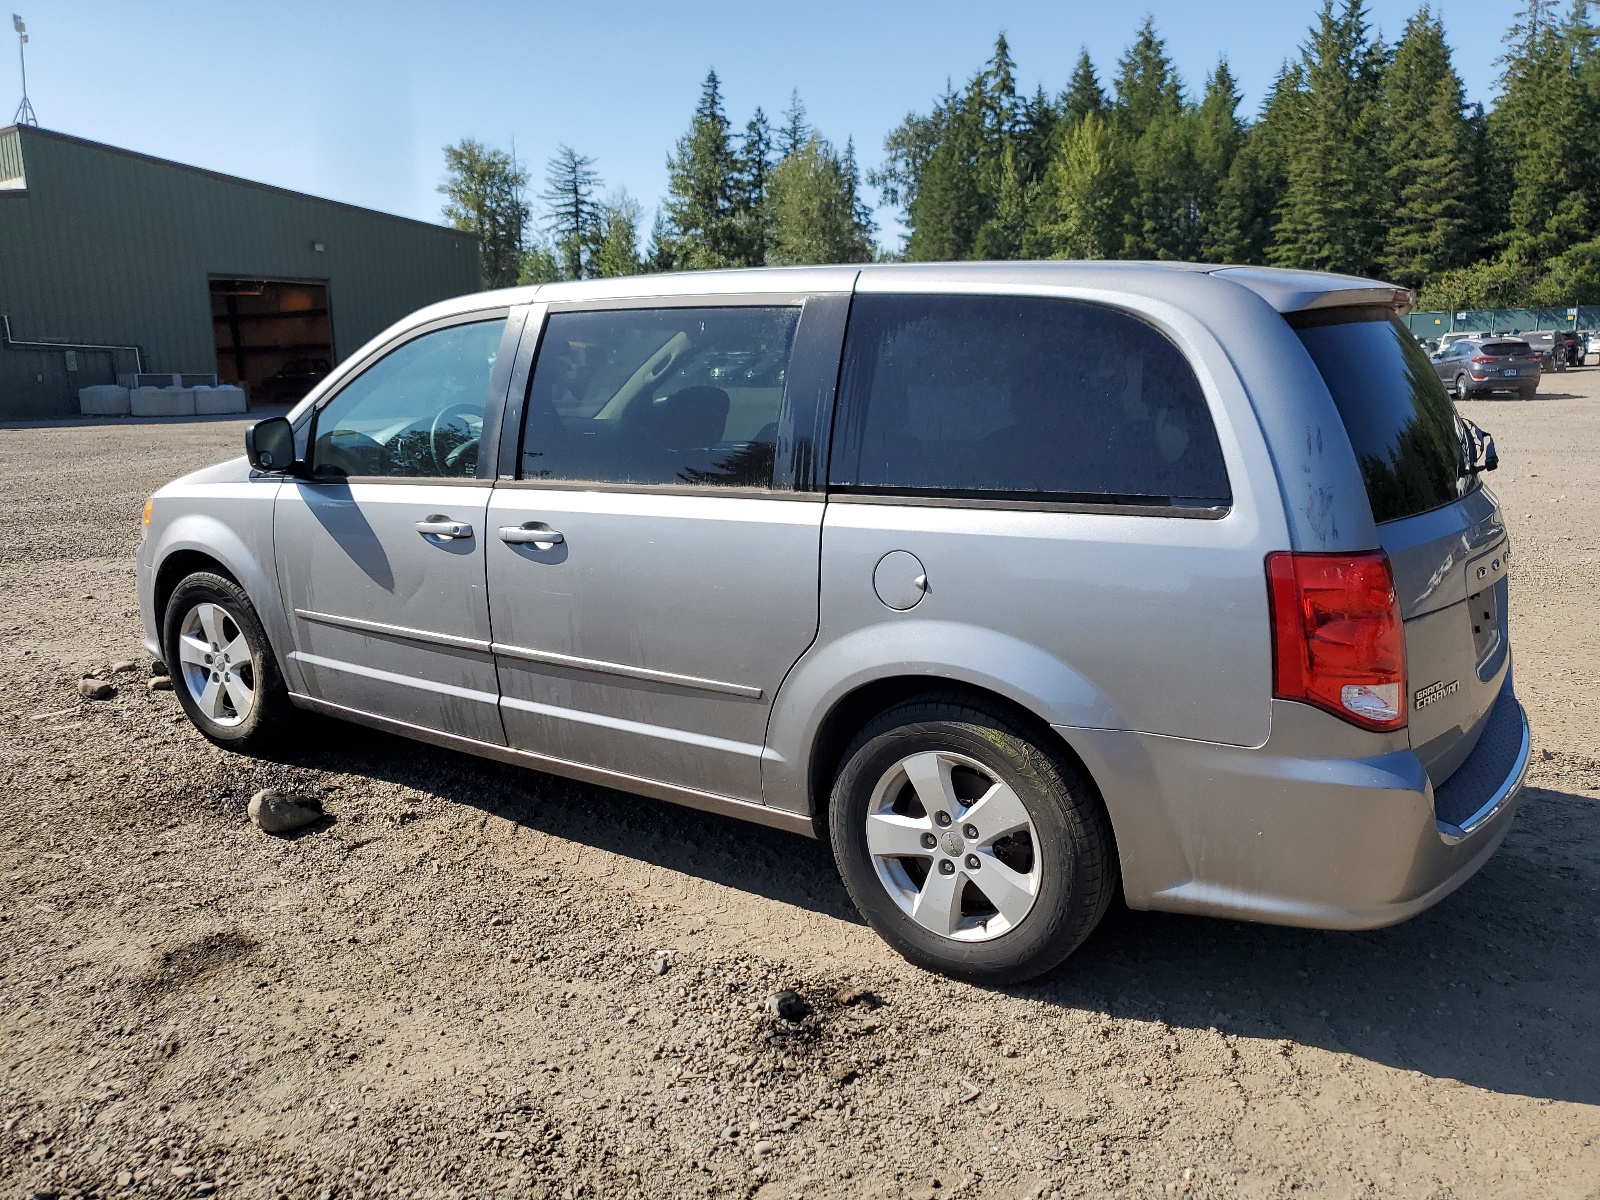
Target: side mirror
column 269, row 445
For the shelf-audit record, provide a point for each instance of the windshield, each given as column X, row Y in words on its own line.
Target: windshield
column 1400, row 421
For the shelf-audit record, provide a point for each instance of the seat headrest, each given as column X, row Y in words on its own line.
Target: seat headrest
column 695, row 416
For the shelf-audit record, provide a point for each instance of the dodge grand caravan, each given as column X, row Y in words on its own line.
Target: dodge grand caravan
column 1022, row 583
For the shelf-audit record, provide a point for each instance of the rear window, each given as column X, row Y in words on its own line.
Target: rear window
column 1021, row 398
column 1400, row 421
column 1506, row 349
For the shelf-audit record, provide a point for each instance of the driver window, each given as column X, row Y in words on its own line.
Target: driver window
column 415, row 413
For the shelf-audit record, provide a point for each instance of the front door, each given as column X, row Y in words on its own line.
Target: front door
column 650, row 581
column 380, row 549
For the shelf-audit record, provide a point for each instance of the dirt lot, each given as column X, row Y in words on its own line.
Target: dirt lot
column 450, row 986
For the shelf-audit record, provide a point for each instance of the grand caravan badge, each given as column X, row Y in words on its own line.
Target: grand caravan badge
column 1434, row 692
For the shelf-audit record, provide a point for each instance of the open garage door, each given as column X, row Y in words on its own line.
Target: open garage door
column 274, row 337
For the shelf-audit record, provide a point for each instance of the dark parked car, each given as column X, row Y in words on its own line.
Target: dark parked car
column 1481, row 366
column 290, row 382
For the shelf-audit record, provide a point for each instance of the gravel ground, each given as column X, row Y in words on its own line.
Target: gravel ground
column 468, row 980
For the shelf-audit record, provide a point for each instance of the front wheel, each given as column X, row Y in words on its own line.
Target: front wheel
column 970, row 844
column 224, row 673
column 1460, row 391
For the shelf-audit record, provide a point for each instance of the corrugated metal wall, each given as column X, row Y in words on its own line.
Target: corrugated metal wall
column 109, row 247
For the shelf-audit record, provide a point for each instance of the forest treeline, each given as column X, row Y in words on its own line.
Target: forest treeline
column 1364, row 158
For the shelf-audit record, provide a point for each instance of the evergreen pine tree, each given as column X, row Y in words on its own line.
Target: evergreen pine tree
column 815, row 212
column 1147, row 86
column 1149, row 113
column 1083, row 205
column 754, row 175
column 860, row 209
column 539, row 265
column 1332, row 215
column 1084, row 94
column 659, row 253
column 483, row 192
column 1242, row 225
column 1034, row 136
column 957, row 190
column 701, row 226
column 907, row 150
column 949, row 205
column 572, row 215
column 1219, row 135
column 794, row 132
column 616, row 250
column 1430, row 228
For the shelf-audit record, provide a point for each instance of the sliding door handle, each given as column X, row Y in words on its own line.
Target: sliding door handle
column 444, row 527
column 534, row 533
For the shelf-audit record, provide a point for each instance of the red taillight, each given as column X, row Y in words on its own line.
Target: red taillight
column 1337, row 638
column 1482, row 358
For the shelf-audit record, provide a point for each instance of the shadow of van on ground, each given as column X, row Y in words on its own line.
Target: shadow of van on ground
column 1498, row 986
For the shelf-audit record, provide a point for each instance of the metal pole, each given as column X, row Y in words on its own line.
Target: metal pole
column 25, row 114
column 15, row 343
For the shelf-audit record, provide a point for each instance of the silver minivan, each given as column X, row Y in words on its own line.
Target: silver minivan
column 1026, row 584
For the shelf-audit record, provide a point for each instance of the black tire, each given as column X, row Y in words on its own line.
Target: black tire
column 1462, row 392
column 1077, row 874
column 1527, row 393
column 270, row 713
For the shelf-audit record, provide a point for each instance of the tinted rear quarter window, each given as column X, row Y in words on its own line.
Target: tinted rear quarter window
column 1394, row 407
column 1021, row 398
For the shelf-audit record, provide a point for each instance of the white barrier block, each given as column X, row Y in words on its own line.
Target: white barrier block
column 103, row 400
column 162, row 402
column 225, row 399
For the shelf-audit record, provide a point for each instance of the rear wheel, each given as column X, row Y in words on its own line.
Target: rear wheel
column 223, row 670
column 969, row 843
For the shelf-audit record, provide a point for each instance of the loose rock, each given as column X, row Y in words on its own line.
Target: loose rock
column 123, row 665
column 159, row 683
column 158, row 668
column 91, row 688
column 850, row 994
column 789, row 1005
column 272, row 811
column 660, row 966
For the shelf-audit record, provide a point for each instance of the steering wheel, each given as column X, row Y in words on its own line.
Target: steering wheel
column 466, row 413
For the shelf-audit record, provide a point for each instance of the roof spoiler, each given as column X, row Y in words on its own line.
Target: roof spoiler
column 1300, row 291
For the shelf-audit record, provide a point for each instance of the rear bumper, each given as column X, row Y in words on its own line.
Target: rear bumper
column 1491, row 777
column 1284, row 833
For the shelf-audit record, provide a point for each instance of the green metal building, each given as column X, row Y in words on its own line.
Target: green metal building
column 114, row 263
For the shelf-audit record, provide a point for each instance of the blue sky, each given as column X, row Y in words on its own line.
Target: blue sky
column 353, row 101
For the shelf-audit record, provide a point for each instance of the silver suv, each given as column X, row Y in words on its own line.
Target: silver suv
column 1022, row 583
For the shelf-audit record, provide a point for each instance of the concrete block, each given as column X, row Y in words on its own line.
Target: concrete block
column 103, row 400
column 162, row 402
column 224, row 399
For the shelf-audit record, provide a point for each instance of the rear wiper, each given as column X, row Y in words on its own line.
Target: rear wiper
column 1482, row 443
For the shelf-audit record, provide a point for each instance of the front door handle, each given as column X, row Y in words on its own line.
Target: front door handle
column 444, row 527
column 534, row 533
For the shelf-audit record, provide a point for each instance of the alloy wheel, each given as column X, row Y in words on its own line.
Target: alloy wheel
column 954, row 846
column 214, row 659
